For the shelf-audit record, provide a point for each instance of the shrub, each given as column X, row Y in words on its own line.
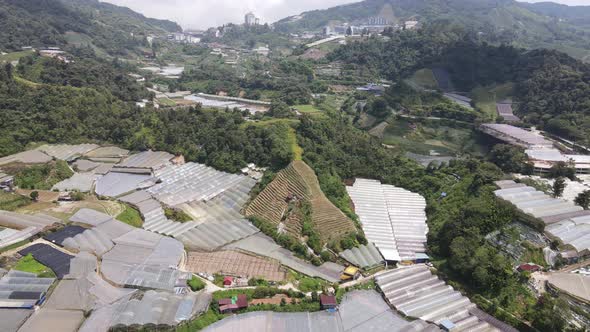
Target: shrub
column 196, row 284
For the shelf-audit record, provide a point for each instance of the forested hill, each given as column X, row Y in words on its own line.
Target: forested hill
column 107, row 28
column 496, row 21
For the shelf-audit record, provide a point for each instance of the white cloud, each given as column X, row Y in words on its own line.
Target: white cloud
column 208, row 13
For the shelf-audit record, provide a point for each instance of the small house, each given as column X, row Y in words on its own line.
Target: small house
column 233, row 304
column 529, row 267
column 328, row 302
column 350, row 273
column 228, row 281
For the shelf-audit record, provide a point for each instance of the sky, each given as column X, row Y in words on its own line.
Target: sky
column 202, row 14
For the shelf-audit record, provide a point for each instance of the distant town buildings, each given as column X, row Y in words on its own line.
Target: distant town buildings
column 251, row 20
column 409, row 25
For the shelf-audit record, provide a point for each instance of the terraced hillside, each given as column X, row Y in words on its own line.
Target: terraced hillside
column 280, row 204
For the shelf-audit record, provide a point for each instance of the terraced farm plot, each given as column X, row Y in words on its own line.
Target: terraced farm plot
column 277, row 204
column 235, row 263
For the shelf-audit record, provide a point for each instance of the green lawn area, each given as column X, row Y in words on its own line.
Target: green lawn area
column 166, row 102
column 485, row 98
column 29, row 264
column 9, row 57
column 295, row 148
column 177, row 215
column 130, row 216
column 11, row 202
column 424, row 78
column 196, row 284
column 307, row 109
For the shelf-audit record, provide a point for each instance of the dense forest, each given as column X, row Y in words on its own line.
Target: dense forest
column 551, row 88
column 65, row 114
column 41, row 23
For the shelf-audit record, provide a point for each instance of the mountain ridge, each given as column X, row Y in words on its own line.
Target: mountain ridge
column 544, row 25
column 103, row 26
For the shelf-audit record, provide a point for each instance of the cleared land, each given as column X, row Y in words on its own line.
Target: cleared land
column 235, row 263
column 298, row 183
column 486, row 98
column 424, row 78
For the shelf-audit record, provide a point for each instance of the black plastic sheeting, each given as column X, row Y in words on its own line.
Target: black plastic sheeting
column 64, row 233
column 54, row 259
column 25, row 295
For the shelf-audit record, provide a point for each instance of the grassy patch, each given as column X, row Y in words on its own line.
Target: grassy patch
column 429, row 136
column 485, row 98
column 130, row 216
column 14, row 246
column 196, row 284
column 9, row 57
column 295, row 148
column 424, row 78
column 29, row 264
column 11, row 202
column 166, row 102
column 177, row 215
column 43, row 177
column 308, row 109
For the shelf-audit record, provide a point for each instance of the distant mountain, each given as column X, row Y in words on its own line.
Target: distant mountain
column 541, row 25
column 105, row 27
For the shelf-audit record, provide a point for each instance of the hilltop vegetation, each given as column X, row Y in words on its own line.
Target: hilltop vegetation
column 494, row 21
column 64, row 114
column 550, row 88
column 105, row 27
column 295, row 204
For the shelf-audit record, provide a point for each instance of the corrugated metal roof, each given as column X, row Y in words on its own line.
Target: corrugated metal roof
column 416, row 292
column 363, row 256
column 564, row 220
column 393, row 219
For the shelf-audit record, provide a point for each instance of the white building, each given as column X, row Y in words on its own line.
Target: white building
column 250, row 19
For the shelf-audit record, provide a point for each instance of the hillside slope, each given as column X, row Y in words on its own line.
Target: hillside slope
column 281, row 203
column 495, row 21
column 105, row 27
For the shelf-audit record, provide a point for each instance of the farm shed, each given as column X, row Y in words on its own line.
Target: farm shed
column 115, row 184
column 516, row 136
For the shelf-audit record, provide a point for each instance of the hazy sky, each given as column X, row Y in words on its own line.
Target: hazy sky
column 208, row 13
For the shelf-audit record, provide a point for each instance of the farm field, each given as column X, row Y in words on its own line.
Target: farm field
column 298, row 184
column 425, row 139
column 9, row 57
column 424, row 78
column 485, row 98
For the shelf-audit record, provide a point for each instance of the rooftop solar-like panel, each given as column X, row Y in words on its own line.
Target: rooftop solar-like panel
column 64, row 233
column 54, row 259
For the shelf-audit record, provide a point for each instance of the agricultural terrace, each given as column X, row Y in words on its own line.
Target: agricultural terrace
column 281, row 203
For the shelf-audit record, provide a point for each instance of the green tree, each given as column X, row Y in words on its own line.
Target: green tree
column 583, row 199
column 549, row 314
column 34, row 195
column 558, row 187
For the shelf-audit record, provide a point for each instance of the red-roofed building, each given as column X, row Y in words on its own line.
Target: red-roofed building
column 328, row 302
column 233, row 304
column 529, row 267
column 228, row 281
